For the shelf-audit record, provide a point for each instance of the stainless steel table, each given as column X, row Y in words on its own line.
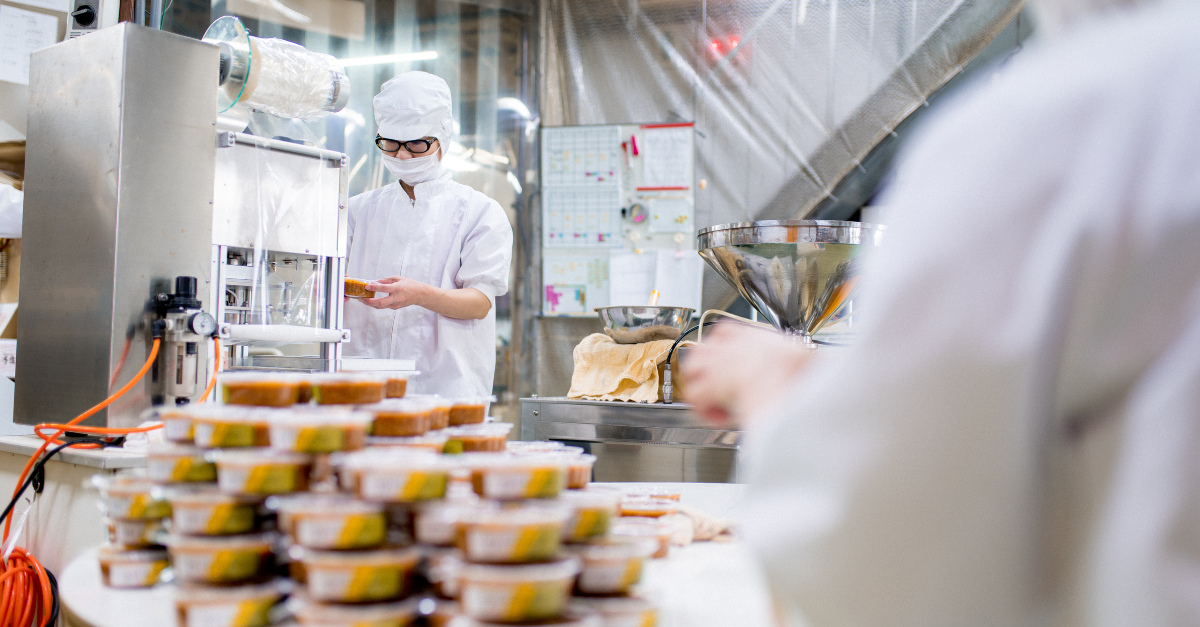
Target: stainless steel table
column 636, row 441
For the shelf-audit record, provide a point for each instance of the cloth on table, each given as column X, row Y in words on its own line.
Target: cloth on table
column 607, row 371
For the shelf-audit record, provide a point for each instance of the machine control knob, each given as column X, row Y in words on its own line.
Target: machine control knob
column 85, row 15
column 202, row 324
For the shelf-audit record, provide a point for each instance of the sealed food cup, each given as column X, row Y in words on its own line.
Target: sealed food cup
column 648, row 507
column 658, row 529
column 177, row 423
column 439, row 412
column 211, row 512
column 264, row 389
column 396, row 476
column 443, row 569
column 431, row 441
column 133, row 533
column 131, row 496
column 318, row 429
column 399, row 417
column 653, row 491
column 262, row 471
column 359, row 576
column 328, row 521
column 397, row 383
column 357, row 288
column 514, row 534
column 509, row 593
column 310, row 613
column 168, row 462
column 612, row 565
column 230, row 426
column 620, row 611
column 579, row 470
column 220, row 559
column 469, row 410
column 581, row 618
column 224, row 606
column 592, row 513
column 347, row 388
column 490, row 438
column 123, row 568
column 436, row 522
column 504, row 477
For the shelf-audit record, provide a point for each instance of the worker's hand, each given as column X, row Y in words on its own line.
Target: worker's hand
column 737, row 370
column 401, row 292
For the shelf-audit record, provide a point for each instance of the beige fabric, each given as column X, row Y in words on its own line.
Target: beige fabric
column 607, row 371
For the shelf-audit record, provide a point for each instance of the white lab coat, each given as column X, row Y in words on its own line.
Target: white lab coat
column 451, row 237
column 1015, row 437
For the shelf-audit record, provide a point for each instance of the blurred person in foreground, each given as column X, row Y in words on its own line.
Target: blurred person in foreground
column 1014, row 438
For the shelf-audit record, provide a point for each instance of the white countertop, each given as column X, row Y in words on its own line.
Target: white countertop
column 715, row 584
column 103, row 459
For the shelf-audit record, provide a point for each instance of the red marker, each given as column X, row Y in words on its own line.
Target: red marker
column 633, row 142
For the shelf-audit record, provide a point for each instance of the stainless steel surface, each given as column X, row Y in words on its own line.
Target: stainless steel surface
column 799, row 274
column 117, row 197
column 636, row 441
column 634, row 325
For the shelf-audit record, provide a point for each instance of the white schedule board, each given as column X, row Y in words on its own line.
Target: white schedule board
column 618, row 217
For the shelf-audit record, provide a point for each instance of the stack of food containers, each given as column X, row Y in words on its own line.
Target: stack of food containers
column 134, row 556
column 344, row 492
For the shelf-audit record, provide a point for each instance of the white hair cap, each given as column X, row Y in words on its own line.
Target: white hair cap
column 414, row 105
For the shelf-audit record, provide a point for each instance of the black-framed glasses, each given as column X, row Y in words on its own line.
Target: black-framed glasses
column 413, row 146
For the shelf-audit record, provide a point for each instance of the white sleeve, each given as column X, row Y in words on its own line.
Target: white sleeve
column 487, row 253
column 12, row 210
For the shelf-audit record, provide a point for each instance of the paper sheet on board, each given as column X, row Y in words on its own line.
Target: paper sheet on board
column 632, row 278
column 574, row 284
column 21, row 33
column 678, row 277
column 667, row 157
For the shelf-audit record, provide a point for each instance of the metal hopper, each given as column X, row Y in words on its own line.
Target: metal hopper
column 799, row 274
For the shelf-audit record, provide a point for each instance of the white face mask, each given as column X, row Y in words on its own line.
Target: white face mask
column 415, row 170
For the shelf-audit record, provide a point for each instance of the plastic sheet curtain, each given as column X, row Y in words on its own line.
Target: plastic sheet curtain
column 788, row 96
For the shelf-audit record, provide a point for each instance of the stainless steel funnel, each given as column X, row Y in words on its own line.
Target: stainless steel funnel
column 799, row 274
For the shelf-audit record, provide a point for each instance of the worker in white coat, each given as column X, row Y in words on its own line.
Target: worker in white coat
column 1014, row 438
column 437, row 251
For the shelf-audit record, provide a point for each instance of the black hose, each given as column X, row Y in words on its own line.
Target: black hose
column 679, row 339
column 39, row 469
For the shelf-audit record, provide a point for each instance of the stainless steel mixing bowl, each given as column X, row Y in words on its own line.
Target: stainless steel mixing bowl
column 634, row 325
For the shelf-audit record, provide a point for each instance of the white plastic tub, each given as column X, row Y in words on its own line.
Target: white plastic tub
column 318, row 429
column 211, row 512
column 359, row 576
column 122, row 568
column 310, row 613
column 179, row 463
column 127, row 496
column 512, row 534
column 504, row 477
column 262, row 471
column 517, row 593
column 220, row 559
column 592, row 513
column 225, row 606
column 327, row 521
column 612, row 565
column 404, row 476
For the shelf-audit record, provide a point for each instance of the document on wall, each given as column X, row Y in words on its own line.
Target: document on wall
column 21, row 33
column 679, row 277
column 575, row 284
column 667, row 156
column 632, row 278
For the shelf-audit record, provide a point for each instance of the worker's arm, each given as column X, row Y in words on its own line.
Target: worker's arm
column 463, row 304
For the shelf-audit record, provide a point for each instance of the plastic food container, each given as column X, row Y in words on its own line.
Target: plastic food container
column 653, row 491
column 177, row 423
column 221, row 560
column 499, row 476
column 125, row 496
column 443, row 569
column 311, row 613
column 318, row 521
column 432, row 441
column 620, row 611
column 396, row 476
column 231, row 426
column 512, row 534
column 517, row 593
column 397, row 384
column 347, row 388
column 357, row 288
column 579, row 470
column 212, row 512
column 436, row 522
column 612, row 565
column 179, row 463
column 132, row 533
column 121, row 568
column 224, row 606
column 469, row 410
column 582, row 618
column 404, row 417
column 359, row 576
column 265, row 389
column 489, row 438
column 592, row 513
column 659, row 530
column 262, row 471
column 439, row 413
column 648, row 507
column 318, row 430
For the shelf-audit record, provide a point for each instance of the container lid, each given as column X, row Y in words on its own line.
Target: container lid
column 473, row 400
column 172, row 449
column 433, row 399
column 612, row 606
column 640, row 526
column 615, row 548
column 408, row 404
column 258, row 376
column 216, row 543
column 310, row 503
column 260, row 455
column 582, row 617
column 651, row 490
column 504, row 461
column 196, row 495
column 516, row 515
column 649, row 505
column 393, row 459
column 123, row 484
column 481, row 430
column 239, row 414
column 564, row 568
column 319, row 416
column 432, row 439
column 311, row 612
column 377, row 557
column 109, row 552
column 196, row 593
column 591, row 496
column 346, row 377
